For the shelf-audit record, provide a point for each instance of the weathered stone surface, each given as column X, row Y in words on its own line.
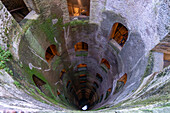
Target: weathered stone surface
column 13, row 98
column 147, row 87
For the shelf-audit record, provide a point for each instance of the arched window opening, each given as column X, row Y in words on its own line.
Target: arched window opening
column 68, row 83
column 83, row 82
column 62, row 73
column 83, row 87
column 71, row 89
column 58, row 93
column 38, row 82
column 51, row 52
column 83, row 77
column 91, row 95
column 105, row 65
column 81, row 46
column 94, row 89
column 99, row 77
column 108, row 93
column 97, row 101
column 79, row 8
column 17, row 8
column 67, row 99
column 82, row 67
column 119, row 33
column 123, row 78
column 120, row 83
column 166, row 60
column 95, row 85
column 101, row 98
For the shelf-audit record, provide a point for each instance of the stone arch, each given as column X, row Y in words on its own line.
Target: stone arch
column 108, row 93
column 83, row 77
column 81, row 46
column 105, row 64
column 51, row 52
column 101, row 98
column 123, row 78
column 58, row 92
column 38, row 82
column 99, row 77
column 120, row 83
column 82, row 67
column 68, row 83
column 95, row 85
column 119, row 33
column 62, row 73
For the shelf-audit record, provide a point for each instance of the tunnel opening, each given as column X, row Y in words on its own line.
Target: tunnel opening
column 17, row 8
column 74, row 62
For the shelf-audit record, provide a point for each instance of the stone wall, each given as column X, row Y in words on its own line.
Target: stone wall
column 146, row 22
column 9, row 31
column 53, row 7
column 142, row 16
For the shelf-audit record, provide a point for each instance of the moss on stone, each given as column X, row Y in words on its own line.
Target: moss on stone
column 5, row 56
column 17, row 84
column 48, row 28
column 78, row 22
column 150, row 65
column 31, row 72
column 163, row 73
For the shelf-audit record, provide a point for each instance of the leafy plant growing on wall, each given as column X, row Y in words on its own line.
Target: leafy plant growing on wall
column 5, row 57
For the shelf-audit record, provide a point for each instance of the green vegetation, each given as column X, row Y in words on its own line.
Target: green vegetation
column 48, row 28
column 37, row 94
column 163, row 73
column 147, row 111
column 17, row 84
column 150, row 65
column 51, row 97
column 5, row 57
column 78, row 22
column 31, row 72
column 151, row 100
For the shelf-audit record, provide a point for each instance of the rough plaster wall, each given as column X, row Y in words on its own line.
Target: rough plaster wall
column 45, row 5
column 158, row 61
column 152, row 93
column 9, row 31
column 140, row 17
column 149, row 18
column 96, row 8
column 31, row 5
column 132, row 52
column 133, row 24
